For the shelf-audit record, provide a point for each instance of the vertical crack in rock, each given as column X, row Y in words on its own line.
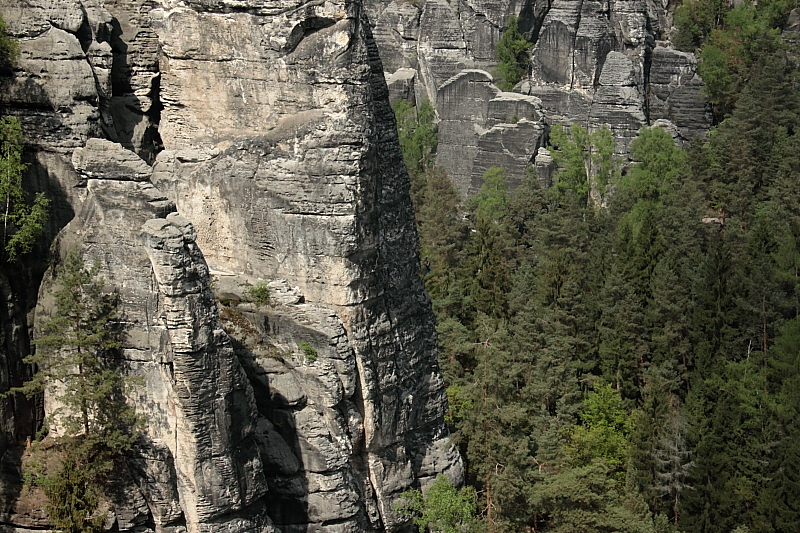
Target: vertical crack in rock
column 574, row 43
column 219, row 470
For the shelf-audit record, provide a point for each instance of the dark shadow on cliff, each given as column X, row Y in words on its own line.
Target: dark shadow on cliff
column 287, row 499
column 10, row 480
column 124, row 116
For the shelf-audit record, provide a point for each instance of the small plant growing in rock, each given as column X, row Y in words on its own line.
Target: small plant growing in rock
column 308, row 350
column 257, row 294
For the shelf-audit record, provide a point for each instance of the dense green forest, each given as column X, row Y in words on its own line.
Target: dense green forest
column 622, row 350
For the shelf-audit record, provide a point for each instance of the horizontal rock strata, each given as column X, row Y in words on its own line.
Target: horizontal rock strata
column 267, row 126
column 597, row 64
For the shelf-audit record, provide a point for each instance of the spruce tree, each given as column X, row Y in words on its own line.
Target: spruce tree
column 76, row 359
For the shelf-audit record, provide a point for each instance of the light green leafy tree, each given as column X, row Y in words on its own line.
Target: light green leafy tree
column 604, row 432
column 491, row 203
column 442, row 509
column 23, row 223
column 586, row 162
column 417, row 133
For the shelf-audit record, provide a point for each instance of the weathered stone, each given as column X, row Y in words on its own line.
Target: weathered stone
column 442, row 50
column 481, row 127
column 292, row 174
column 110, row 160
column 676, row 92
column 153, row 469
column 219, row 468
column 54, row 95
column 592, row 63
column 544, row 166
column 396, row 28
column 401, row 85
column 276, row 453
column 617, row 103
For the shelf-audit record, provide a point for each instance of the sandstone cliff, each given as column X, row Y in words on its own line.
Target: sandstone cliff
column 266, row 125
column 592, row 63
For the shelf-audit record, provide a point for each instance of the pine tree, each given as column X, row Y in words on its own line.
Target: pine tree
column 512, row 56
column 76, row 359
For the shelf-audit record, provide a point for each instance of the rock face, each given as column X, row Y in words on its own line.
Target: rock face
column 269, row 127
column 598, row 64
column 481, row 127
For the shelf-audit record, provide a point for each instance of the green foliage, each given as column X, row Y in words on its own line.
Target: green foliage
column 512, row 56
column 586, row 498
column 309, row 351
column 73, row 496
column 258, row 293
column 77, row 360
column 490, row 204
column 9, row 50
column 418, row 140
column 441, row 227
column 442, row 509
column 694, row 21
column 677, row 288
column 604, row 432
column 658, row 164
column 23, row 223
column 23, row 218
column 732, row 39
column 586, row 163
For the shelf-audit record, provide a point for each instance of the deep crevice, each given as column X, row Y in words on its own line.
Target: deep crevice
column 574, row 42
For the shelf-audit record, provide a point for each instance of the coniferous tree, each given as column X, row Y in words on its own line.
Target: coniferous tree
column 76, row 360
column 512, row 56
column 73, row 497
column 9, row 50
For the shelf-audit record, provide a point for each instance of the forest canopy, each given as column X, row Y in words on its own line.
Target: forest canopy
column 628, row 361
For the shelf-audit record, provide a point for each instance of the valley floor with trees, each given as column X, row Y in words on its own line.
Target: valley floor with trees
column 622, row 350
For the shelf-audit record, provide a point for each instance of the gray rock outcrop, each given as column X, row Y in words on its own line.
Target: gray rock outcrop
column 281, row 156
column 597, row 64
column 482, row 127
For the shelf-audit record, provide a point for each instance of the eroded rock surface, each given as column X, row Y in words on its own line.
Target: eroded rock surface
column 597, row 64
column 269, row 127
column 482, row 127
